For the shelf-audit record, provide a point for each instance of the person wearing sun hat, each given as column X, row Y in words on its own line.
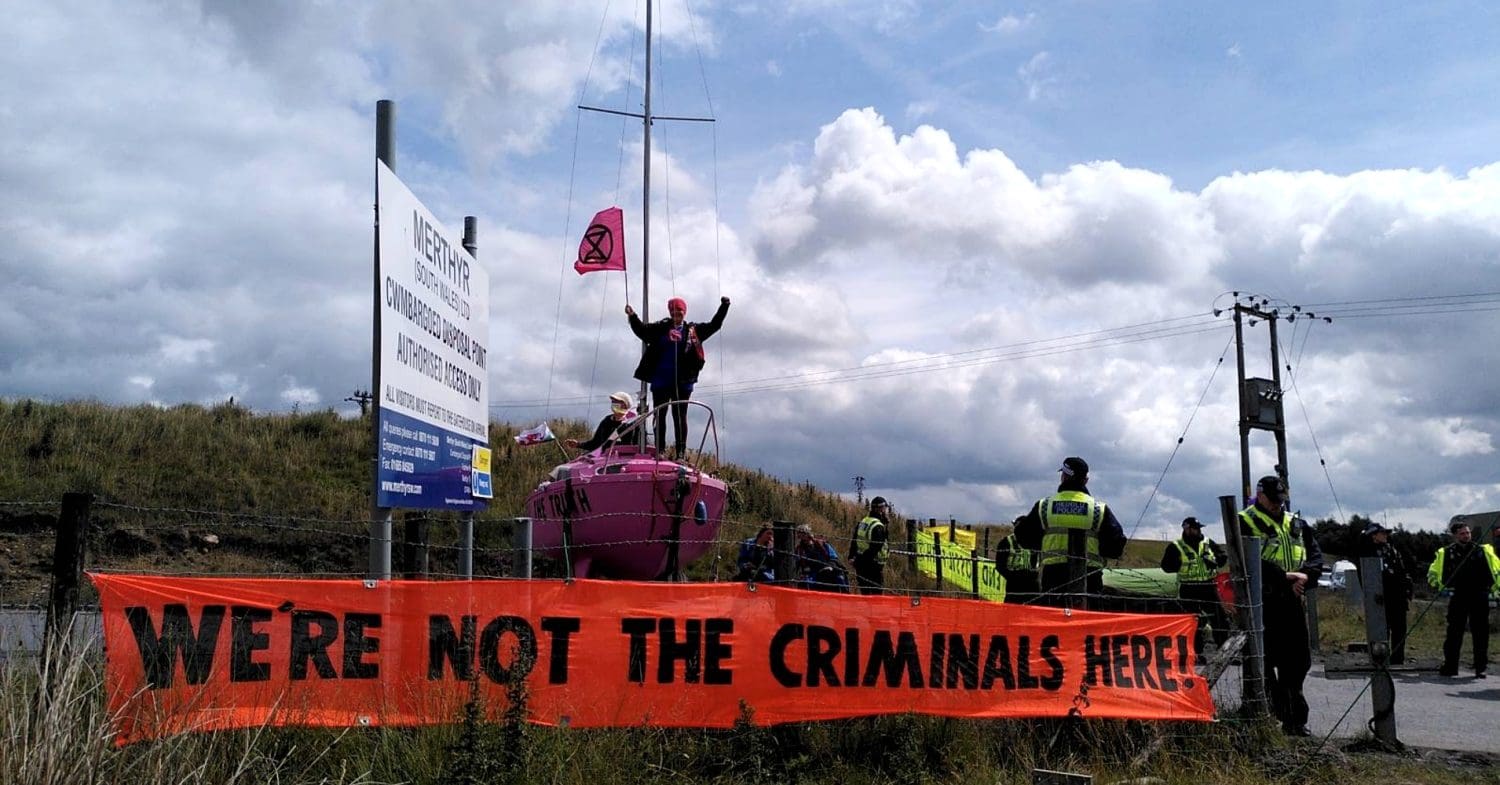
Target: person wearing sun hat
column 621, row 415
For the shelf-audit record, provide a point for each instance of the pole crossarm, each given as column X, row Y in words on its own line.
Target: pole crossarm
column 640, row 116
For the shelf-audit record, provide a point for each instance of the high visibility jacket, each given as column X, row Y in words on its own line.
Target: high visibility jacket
column 1195, row 568
column 863, row 540
column 1283, row 544
column 1020, row 559
column 1064, row 512
column 1435, row 572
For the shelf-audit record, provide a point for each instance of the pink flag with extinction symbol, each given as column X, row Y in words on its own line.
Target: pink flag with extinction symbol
column 603, row 246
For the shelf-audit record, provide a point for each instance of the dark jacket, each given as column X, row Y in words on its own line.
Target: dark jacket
column 1111, row 534
column 1214, row 557
column 1273, row 578
column 688, row 361
column 606, row 429
column 1397, row 574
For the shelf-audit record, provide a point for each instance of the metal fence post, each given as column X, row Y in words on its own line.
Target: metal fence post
column 1244, row 571
column 466, row 545
column 521, row 544
column 414, row 546
column 974, row 572
column 1382, row 688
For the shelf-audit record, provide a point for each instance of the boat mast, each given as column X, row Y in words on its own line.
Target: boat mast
column 646, row 214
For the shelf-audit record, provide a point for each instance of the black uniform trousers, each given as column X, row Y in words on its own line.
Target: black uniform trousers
column 1288, row 658
column 1472, row 610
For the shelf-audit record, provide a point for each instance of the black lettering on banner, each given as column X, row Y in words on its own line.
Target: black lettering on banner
column 446, row 644
column 716, row 651
column 822, row 646
column 523, row 654
column 244, row 641
column 637, row 629
column 935, row 660
column 851, row 657
column 159, row 653
column 356, row 646
column 1053, row 681
column 1140, row 657
column 894, row 659
column 560, row 628
column 997, row 664
column 963, row 661
column 1024, row 679
column 1096, row 666
column 306, row 647
column 1120, row 660
column 1164, row 663
column 670, row 651
column 784, row 637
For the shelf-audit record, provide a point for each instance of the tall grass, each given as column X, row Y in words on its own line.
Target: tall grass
column 62, row 736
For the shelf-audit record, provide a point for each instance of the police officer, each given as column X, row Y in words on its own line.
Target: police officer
column 1395, row 584
column 1471, row 571
column 1017, row 565
column 1196, row 560
column 1047, row 526
column 870, row 548
column 1290, row 562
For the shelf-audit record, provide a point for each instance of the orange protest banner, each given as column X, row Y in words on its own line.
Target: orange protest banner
column 212, row 653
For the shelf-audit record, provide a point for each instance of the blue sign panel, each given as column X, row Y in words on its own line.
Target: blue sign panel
column 423, row 466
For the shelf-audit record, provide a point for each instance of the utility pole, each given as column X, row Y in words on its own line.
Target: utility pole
column 859, row 489
column 363, row 398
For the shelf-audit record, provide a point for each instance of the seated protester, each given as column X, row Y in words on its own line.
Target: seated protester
column 757, row 560
column 818, row 565
column 613, row 426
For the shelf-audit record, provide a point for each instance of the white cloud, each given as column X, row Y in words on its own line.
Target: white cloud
column 916, row 110
column 1039, row 77
column 1009, row 24
column 1233, row 52
column 773, row 68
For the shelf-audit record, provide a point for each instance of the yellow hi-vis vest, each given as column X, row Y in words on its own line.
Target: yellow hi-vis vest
column 1194, row 567
column 1435, row 572
column 1064, row 512
column 1020, row 559
column 862, row 540
column 1282, row 548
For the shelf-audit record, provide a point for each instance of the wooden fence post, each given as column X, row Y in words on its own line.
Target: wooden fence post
column 786, row 557
column 67, row 568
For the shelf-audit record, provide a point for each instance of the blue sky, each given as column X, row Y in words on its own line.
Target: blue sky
column 915, row 190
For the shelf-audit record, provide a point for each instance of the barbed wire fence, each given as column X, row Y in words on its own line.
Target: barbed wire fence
column 181, row 541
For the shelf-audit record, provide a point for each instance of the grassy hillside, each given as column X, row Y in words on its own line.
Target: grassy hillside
column 220, row 489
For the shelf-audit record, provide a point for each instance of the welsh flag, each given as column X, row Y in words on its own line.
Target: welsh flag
column 603, row 245
column 538, row 435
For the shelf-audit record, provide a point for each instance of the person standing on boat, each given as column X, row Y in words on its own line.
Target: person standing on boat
column 870, row 547
column 1290, row 561
column 670, row 363
column 1047, row 526
column 613, row 426
column 1196, row 560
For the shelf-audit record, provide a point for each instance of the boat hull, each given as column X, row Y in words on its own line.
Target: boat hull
column 622, row 511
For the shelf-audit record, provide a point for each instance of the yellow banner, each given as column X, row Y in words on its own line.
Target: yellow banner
column 958, row 563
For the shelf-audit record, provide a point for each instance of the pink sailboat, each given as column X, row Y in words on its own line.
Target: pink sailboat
column 624, row 511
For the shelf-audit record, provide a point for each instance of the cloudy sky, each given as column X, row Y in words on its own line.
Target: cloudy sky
column 963, row 240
